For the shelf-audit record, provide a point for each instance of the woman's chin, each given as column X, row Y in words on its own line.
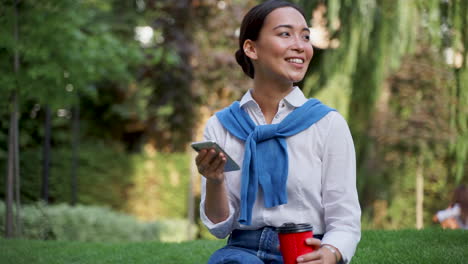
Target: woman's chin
column 296, row 79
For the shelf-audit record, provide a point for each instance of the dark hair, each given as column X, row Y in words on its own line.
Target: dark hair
column 251, row 26
column 460, row 197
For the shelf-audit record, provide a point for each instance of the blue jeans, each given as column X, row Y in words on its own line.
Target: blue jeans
column 250, row 247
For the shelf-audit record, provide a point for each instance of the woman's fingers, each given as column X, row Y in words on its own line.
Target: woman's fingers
column 201, row 154
column 219, row 163
column 314, row 243
column 210, row 164
column 204, row 158
column 208, row 158
column 314, row 257
column 307, row 258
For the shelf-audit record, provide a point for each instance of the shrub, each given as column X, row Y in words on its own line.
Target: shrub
column 92, row 223
column 150, row 186
column 105, row 170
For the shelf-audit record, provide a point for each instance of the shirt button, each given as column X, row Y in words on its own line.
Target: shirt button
column 282, row 105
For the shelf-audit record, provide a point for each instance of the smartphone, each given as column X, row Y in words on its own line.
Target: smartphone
column 230, row 165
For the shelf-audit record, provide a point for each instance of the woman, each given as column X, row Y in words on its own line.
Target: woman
column 456, row 216
column 297, row 155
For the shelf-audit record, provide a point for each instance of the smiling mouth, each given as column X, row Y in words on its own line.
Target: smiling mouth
column 295, row 60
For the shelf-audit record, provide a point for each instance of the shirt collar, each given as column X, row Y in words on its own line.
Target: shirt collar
column 295, row 98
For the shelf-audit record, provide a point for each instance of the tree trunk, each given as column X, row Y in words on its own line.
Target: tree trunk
column 46, row 156
column 9, row 230
column 17, row 181
column 13, row 180
column 419, row 193
column 13, row 176
column 75, row 160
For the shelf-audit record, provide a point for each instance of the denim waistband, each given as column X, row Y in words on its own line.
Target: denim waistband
column 257, row 232
column 261, row 242
column 253, row 239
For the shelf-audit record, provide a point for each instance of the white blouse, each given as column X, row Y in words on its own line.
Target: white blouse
column 321, row 182
column 452, row 212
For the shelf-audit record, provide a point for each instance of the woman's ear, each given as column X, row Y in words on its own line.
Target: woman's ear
column 250, row 49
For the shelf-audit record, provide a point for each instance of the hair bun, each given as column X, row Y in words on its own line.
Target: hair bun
column 245, row 63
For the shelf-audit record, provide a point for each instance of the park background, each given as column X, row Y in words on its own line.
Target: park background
column 101, row 99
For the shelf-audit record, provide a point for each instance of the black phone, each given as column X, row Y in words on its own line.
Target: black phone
column 230, row 165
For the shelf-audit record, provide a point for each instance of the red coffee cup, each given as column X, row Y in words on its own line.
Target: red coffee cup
column 292, row 241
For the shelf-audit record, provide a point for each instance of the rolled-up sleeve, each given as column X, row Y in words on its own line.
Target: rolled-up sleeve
column 221, row 229
column 216, row 132
column 342, row 212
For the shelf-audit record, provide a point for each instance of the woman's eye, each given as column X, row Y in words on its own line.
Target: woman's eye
column 284, row 34
column 307, row 37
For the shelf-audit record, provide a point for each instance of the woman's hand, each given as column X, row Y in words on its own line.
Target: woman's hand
column 319, row 256
column 211, row 165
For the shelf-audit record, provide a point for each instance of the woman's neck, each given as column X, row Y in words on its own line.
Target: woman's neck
column 268, row 94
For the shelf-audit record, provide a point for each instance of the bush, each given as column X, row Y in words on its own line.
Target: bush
column 105, row 170
column 175, row 230
column 92, row 223
column 150, row 186
column 159, row 186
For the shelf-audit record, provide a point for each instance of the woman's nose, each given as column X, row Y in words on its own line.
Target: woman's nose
column 298, row 44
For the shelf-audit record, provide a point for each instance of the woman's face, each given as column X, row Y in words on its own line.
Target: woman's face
column 283, row 50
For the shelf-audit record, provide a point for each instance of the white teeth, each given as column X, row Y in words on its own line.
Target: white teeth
column 300, row 61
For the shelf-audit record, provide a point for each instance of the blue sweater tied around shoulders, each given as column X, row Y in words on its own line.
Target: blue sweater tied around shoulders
column 266, row 153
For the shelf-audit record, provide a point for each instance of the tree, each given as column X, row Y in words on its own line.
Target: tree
column 457, row 22
column 371, row 41
column 13, row 178
column 60, row 55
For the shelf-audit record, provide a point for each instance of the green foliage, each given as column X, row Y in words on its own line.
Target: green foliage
column 81, row 223
column 175, row 230
column 460, row 145
column 103, row 175
column 411, row 131
column 405, row 126
column 159, row 186
column 459, row 21
column 149, row 186
column 94, row 224
column 67, row 48
column 349, row 77
column 85, row 52
column 218, row 78
column 404, row 246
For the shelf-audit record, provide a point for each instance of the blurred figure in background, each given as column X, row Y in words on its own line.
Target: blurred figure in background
column 456, row 215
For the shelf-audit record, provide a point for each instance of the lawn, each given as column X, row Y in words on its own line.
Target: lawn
column 403, row 246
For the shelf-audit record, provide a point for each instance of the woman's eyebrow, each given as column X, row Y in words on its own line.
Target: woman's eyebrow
column 291, row 27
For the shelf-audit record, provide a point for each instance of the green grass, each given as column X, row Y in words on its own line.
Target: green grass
column 412, row 246
column 403, row 246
